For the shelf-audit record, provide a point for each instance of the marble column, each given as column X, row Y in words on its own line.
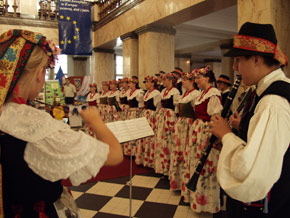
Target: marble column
column 130, row 54
column 156, row 50
column 227, row 62
column 275, row 12
column 183, row 63
column 104, row 65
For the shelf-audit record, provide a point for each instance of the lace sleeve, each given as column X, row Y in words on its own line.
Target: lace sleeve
column 66, row 154
column 54, row 151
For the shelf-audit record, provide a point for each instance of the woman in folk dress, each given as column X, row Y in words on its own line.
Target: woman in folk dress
column 181, row 135
column 93, row 99
column 136, row 104
column 166, row 119
column 113, row 102
column 124, row 98
column 207, row 196
column 152, row 101
column 103, row 106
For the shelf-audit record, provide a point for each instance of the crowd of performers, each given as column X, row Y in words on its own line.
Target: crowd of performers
column 178, row 107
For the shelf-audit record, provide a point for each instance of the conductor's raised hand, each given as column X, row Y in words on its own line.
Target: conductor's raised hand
column 219, row 126
column 91, row 115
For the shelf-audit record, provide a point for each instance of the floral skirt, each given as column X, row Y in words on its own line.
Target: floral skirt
column 104, row 112
column 144, row 153
column 129, row 147
column 124, row 111
column 207, row 195
column 178, row 153
column 164, row 140
column 113, row 114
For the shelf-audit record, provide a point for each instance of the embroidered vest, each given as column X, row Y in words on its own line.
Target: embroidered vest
column 168, row 103
column 186, row 110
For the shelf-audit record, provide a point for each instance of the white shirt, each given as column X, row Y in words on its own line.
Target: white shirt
column 69, row 90
column 247, row 171
column 53, row 151
column 93, row 97
column 114, row 94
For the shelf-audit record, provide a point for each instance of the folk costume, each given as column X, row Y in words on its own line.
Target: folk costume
column 257, row 176
column 185, row 109
column 113, row 102
column 93, row 98
column 145, row 147
column 37, row 151
column 136, row 105
column 124, row 105
column 104, row 106
column 226, row 80
column 166, row 119
column 207, row 196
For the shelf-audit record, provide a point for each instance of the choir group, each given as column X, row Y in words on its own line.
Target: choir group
column 178, row 107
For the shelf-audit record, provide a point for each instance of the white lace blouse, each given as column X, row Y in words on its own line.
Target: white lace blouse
column 54, row 151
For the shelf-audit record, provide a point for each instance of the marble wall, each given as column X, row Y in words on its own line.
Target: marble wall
column 29, row 8
column 50, row 33
column 130, row 57
column 156, row 52
column 275, row 12
column 104, row 67
column 144, row 13
column 183, row 63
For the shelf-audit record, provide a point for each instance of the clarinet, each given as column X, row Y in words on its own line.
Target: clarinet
column 191, row 185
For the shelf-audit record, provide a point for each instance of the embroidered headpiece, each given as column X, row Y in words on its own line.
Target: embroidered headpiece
column 257, row 39
column 16, row 47
column 124, row 80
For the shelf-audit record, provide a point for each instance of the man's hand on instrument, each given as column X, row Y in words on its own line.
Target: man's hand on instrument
column 235, row 120
column 219, row 126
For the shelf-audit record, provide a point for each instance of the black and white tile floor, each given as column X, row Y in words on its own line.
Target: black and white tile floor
column 150, row 193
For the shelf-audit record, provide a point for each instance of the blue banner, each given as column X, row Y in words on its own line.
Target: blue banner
column 74, row 24
column 60, row 77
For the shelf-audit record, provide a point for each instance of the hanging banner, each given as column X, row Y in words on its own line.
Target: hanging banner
column 75, row 27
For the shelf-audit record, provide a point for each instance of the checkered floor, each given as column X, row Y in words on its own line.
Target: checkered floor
column 150, row 193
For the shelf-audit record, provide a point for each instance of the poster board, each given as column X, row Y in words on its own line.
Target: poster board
column 53, row 91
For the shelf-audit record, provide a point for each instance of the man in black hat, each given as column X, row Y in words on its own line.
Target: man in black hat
column 254, row 167
column 223, row 84
column 177, row 73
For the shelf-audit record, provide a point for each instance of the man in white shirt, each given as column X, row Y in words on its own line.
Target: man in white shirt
column 254, row 168
column 69, row 92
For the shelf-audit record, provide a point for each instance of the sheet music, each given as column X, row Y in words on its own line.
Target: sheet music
column 129, row 130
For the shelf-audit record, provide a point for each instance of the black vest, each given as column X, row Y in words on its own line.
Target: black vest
column 123, row 100
column 133, row 103
column 280, row 192
column 150, row 104
column 22, row 188
column 168, row 103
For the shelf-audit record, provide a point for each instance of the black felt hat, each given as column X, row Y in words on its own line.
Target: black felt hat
column 224, row 79
column 262, row 31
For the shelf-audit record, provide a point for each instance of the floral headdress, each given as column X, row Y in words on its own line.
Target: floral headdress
column 168, row 76
column 188, row 76
column 124, row 80
column 16, row 47
column 113, row 82
column 133, row 80
column 93, row 85
column 150, row 79
column 106, row 83
column 202, row 71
